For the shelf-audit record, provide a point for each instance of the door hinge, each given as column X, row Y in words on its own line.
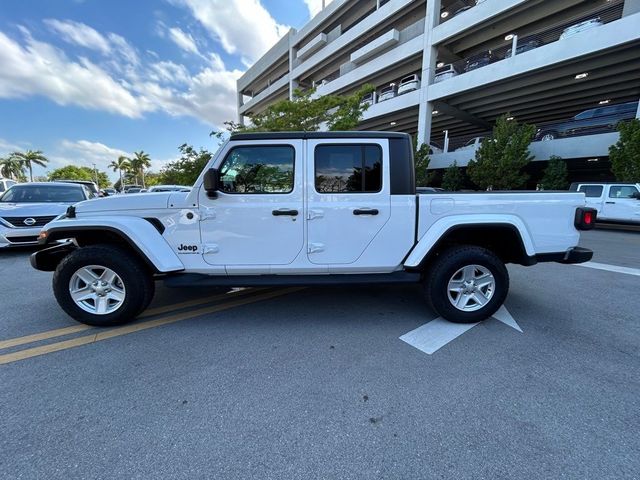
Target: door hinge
column 207, row 213
column 315, row 248
column 210, row 248
column 314, row 214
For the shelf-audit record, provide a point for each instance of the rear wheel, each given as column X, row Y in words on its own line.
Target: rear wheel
column 546, row 136
column 467, row 284
column 102, row 285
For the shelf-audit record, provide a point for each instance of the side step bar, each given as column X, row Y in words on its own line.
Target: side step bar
column 202, row 280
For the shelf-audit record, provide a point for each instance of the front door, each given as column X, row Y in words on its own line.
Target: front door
column 348, row 198
column 620, row 204
column 257, row 216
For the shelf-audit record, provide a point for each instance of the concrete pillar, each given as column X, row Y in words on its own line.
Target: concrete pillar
column 630, row 7
column 638, row 111
column 240, row 104
column 293, row 82
column 429, row 58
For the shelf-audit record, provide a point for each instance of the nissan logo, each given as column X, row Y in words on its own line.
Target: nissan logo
column 29, row 221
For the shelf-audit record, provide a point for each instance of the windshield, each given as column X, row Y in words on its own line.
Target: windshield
column 43, row 193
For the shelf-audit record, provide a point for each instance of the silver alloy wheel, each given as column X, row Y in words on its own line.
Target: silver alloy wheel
column 471, row 288
column 548, row 136
column 97, row 290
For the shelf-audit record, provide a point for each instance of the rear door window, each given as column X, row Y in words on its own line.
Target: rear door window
column 591, row 191
column 348, row 168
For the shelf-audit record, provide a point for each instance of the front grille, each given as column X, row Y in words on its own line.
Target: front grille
column 25, row 239
column 18, row 222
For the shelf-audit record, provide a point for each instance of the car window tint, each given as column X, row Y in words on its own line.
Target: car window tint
column 584, row 115
column 622, row 191
column 258, row 169
column 591, row 190
column 348, row 168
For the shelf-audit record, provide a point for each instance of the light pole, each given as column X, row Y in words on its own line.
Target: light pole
column 95, row 173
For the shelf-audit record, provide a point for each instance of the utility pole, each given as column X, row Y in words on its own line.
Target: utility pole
column 95, row 173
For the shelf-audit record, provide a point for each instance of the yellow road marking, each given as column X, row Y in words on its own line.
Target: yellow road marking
column 61, row 332
column 136, row 327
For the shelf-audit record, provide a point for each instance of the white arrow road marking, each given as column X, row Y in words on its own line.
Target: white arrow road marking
column 434, row 335
column 610, row 268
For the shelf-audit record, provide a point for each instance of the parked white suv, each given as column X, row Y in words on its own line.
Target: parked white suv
column 581, row 27
column 409, row 84
column 5, row 184
column 313, row 208
column 615, row 202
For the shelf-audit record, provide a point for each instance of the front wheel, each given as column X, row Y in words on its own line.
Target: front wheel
column 467, row 284
column 102, row 285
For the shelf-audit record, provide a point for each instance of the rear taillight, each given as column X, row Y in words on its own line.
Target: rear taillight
column 585, row 218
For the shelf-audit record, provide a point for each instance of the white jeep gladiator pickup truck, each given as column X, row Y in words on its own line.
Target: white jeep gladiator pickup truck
column 307, row 209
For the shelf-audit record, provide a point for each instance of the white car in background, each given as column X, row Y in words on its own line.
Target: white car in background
column 445, row 72
column 369, row 99
column 169, row 188
column 581, row 27
column 615, row 202
column 5, row 184
column 409, row 84
column 27, row 207
column 471, row 144
column 387, row 93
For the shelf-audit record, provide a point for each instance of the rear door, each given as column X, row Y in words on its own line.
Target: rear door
column 620, row 205
column 594, row 195
column 348, row 198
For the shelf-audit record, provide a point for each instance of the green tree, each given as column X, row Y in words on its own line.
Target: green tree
column 501, row 157
column 139, row 162
column 625, row 154
column 187, row 168
column 120, row 165
column 74, row 172
column 556, row 175
column 421, row 157
column 453, row 178
column 307, row 113
column 12, row 167
column 29, row 158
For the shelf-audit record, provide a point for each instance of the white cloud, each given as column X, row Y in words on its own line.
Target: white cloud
column 38, row 68
column 243, row 27
column 315, row 6
column 7, row 147
column 125, row 86
column 183, row 40
column 79, row 34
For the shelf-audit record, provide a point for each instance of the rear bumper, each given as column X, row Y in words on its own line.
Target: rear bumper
column 571, row 256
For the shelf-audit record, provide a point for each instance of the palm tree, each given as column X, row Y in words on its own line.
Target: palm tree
column 12, row 168
column 122, row 163
column 30, row 157
column 139, row 163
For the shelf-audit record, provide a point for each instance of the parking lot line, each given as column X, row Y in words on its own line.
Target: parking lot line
column 61, row 332
column 611, row 268
column 136, row 327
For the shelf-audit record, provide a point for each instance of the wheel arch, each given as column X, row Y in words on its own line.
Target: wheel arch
column 508, row 239
column 141, row 237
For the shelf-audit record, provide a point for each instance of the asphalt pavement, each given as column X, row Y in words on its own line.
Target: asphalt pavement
column 316, row 383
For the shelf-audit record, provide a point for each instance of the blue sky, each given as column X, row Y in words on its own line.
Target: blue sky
column 88, row 80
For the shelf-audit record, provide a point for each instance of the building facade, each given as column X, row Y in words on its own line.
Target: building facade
column 444, row 70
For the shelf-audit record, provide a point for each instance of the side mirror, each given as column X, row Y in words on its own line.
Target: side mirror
column 636, row 195
column 212, row 182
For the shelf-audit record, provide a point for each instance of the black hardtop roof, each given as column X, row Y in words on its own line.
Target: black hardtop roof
column 315, row 135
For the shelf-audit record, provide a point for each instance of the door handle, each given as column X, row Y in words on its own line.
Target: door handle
column 366, row 211
column 610, row 203
column 281, row 213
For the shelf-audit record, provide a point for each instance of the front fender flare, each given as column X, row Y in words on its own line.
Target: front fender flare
column 441, row 227
column 141, row 235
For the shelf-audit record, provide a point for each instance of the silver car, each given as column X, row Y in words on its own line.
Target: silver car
column 5, row 184
column 27, row 207
column 581, row 27
column 445, row 72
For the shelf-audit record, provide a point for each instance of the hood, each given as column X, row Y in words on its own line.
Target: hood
column 44, row 209
column 130, row 201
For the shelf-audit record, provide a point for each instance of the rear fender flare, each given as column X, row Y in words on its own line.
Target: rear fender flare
column 445, row 225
